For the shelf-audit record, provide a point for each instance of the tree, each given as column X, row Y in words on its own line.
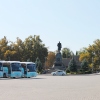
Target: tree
column 82, row 50
column 77, row 53
column 3, row 47
column 17, row 50
column 84, row 65
column 50, row 59
column 83, row 56
column 38, row 65
column 72, row 67
column 66, row 53
column 20, row 50
column 35, row 48
column 92, row 55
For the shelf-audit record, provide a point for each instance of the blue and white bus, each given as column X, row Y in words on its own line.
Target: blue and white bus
column 1, row 69
column 28, row 69
column 11, row 69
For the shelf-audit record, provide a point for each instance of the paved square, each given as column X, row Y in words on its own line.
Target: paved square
column 46, row 87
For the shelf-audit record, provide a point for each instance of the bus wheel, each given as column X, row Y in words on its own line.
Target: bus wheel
column 4, row 75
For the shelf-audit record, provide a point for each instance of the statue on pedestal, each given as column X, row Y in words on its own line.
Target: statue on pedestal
column 58, row 60
column 59, row 46
column 58, row 64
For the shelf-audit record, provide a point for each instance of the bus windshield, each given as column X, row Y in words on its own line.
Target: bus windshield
column 15, row 66
column 31, row 67
column 0, row 66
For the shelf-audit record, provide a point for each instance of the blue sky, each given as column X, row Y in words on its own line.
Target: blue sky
column 75, row 23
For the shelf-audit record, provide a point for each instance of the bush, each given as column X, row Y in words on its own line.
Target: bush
column 84, row 72
column 73, row 72
column 79, row 71
column 67, row 71
column 88, row 72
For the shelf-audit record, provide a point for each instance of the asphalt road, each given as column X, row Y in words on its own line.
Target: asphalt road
column 46, row 87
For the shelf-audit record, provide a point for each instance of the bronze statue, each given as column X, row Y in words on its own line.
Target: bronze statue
column 59, row 46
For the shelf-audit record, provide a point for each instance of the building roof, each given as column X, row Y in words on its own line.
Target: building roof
column 67, row 60
column 27, row 62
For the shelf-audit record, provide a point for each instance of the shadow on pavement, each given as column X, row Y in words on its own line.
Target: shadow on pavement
column 84, row 74
column 20, row 78
column 31, row 78
column 5, row 78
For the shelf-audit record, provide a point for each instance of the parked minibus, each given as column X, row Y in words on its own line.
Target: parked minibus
column 28, row 69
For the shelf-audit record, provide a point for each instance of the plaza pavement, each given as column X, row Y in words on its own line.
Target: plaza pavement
column 47, row 87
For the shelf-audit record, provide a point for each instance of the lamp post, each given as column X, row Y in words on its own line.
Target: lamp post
column 93, row 61
column 45, row 63
column 92, row 65
column 9, row 58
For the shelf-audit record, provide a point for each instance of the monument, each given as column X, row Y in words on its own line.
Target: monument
column 58, row 64
column 59, row 46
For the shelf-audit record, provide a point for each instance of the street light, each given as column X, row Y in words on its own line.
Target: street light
column 45, row 63
column 92, row 64
column 9, row 58
column 93, row 61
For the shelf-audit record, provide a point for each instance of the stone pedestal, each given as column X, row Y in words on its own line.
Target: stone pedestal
column 58, row 64
column 58, row 60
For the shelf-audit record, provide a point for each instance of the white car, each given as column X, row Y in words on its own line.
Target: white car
column 59, row 73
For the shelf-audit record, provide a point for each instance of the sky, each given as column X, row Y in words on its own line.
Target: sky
column 75, row 23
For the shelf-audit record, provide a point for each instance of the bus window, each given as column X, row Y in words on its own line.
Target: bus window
column 15, row 66
column 31, row 67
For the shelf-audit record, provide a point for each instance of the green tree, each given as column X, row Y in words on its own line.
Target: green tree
column 17, row 50
column 84, row 65
column 72, row 67
column 3, row 47
column 66, row 53
column 35, row 48
column 77, row 53
column 38, row 65
column 92, row 55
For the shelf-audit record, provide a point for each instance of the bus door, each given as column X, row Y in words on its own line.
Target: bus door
column 24, row 69
column 6, row 70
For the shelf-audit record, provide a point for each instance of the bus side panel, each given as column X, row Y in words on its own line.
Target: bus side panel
column 1, row 73
column 31, row 74
column 16, row 74
column 5, row 71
